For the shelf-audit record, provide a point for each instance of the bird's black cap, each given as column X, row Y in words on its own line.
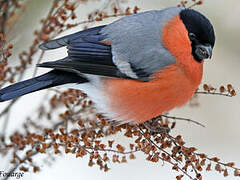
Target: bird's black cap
column 198, row 25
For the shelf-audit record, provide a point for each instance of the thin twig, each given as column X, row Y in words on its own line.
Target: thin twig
column 218, row 162
column 214, row 93
column 8, row 107
column 150, row 141
column 182, row 119
column 194, row 4
column 13, row 169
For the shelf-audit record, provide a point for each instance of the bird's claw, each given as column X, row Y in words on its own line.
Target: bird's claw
column 156, row 129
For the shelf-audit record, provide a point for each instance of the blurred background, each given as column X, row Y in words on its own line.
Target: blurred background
column 220, row 115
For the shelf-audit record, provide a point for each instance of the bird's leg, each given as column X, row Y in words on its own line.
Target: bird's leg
column 154, row 127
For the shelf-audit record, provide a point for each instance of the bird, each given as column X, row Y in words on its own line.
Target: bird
column 135, row 68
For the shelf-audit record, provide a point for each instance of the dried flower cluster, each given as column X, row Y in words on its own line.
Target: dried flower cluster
column 185, row 3
column 222, row 90
column 67, row 123
column 83, row 136
column 5, row 53
column 8, row 10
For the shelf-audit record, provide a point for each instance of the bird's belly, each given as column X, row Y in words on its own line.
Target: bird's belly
column 130, row 100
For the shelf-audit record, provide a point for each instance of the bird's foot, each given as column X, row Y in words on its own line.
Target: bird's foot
column 156, row 129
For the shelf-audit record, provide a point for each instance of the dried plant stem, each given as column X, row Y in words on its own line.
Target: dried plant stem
column 214, row 93
column 183, row 119
column 151, row 142
column 15, row 167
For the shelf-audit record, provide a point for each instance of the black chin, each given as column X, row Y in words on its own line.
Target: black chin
column 196, row 57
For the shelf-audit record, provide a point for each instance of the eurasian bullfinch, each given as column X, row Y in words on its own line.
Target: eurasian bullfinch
column 135, row 68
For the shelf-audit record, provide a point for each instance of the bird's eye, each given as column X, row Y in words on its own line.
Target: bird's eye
column 192, row 36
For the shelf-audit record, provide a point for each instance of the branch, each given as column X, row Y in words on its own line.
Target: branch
column 182, row 119
column 13, row 169
column 214, row 93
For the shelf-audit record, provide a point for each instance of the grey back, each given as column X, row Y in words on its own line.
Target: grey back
column 137, row 41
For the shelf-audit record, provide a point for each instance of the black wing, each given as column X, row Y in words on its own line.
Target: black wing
column 77, row 66
column 86, row 54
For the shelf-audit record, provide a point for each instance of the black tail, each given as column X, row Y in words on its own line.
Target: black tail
column 50, row 79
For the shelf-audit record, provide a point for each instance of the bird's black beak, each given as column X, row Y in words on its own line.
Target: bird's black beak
column 204, row 51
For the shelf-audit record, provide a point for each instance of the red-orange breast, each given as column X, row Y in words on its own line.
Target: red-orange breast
column 170, row 87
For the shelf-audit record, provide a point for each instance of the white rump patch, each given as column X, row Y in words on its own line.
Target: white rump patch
column 95, row 92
